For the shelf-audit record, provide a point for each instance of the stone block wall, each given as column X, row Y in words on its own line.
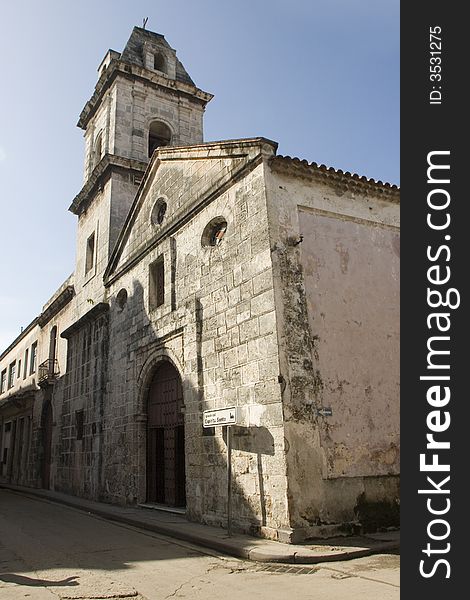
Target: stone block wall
column 95, row 220
column 217, row 326
column 126, row 112
column 140, row 102
column 79, row 405
column 123, row 190
column 103, row 122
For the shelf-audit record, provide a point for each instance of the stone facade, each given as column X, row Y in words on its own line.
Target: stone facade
column 262, row 282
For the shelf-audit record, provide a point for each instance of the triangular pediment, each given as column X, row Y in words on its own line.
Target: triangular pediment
column 185, row 179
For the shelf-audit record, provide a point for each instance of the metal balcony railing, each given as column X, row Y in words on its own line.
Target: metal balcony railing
column 48, row 371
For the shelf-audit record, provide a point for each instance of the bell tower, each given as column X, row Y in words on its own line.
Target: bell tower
column 144, row 98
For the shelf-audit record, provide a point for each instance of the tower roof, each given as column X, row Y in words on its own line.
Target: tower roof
column 146, row 56
column 133, row 52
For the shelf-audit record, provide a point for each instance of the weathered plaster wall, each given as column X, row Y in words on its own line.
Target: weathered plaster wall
column 336, row 293
column 24, row 379
column 15, row 436
column 25, row 410
column 351, row 271
column 61, row 320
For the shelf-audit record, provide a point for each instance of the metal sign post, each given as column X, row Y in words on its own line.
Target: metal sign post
column 226, row 417
column 229, row 481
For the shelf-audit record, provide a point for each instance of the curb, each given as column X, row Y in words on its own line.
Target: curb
column 253, row 552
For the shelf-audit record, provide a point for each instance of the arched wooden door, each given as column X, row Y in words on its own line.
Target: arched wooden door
column 165, row 438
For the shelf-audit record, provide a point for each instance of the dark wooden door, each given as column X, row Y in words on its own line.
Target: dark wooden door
column 165, row 438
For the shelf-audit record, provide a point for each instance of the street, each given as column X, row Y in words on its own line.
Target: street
column 49, row 551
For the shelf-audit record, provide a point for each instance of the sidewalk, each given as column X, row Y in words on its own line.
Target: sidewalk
column 240, row 546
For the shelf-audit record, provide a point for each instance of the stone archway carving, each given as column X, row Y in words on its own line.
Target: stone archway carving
column 144, row 378
column 162, row 478
column 165, row 469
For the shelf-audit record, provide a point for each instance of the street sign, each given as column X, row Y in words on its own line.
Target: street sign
column 324, row 412
column 220, row 416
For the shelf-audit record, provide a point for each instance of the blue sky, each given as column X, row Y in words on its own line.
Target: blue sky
column 321, row 77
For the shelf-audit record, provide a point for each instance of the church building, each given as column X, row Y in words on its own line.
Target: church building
column 212, row 275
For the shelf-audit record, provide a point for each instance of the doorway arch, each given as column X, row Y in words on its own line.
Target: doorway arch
column 166, row 480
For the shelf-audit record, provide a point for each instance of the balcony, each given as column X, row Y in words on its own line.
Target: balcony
column 48, row 371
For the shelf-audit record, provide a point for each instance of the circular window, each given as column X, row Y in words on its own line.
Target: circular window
column 121, row 299
column 214, row 232
column 158, row 212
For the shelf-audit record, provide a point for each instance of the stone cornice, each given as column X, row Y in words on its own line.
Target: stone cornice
column 57, row 305
column 342, row 181
column 99, row 175
column 129, row 71
column 99, row 309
